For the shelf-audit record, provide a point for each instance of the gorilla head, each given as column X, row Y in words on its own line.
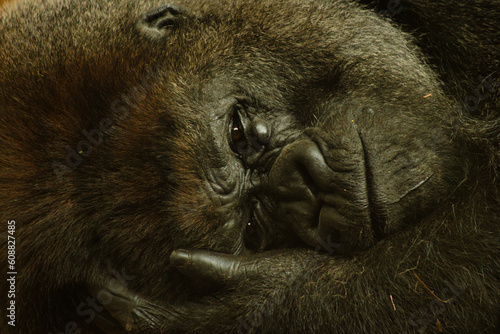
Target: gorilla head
column 132, row 128
column 301, row 127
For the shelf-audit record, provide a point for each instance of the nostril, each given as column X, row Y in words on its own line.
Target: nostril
column 310, row 162
column 299, row 172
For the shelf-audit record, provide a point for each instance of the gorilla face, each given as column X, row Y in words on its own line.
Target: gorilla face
column 292, row 129
column 131, row 128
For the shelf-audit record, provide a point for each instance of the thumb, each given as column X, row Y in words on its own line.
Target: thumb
column 213, row 266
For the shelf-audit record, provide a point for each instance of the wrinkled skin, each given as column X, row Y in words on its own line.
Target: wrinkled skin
column 249, row 166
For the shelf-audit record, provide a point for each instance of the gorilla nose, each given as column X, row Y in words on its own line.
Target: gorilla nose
column 322, row 202
column 298, row 176
column 304, row 161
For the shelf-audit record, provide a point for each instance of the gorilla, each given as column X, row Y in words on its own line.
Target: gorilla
column 250, row 166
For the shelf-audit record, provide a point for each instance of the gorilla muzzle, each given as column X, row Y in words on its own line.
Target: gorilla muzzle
column 322, row 192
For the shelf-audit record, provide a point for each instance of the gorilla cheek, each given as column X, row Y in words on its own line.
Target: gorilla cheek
column 325, row 200
column 406, row 178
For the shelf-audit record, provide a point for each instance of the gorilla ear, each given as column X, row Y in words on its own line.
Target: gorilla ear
column 159, row 21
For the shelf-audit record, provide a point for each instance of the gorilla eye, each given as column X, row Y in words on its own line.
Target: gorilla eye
column 251, row 229
column 248, row 134
column 253, row 239
column 256, row 235
column 238, row 136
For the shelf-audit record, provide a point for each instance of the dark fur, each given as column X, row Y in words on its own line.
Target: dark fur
column 69, row 66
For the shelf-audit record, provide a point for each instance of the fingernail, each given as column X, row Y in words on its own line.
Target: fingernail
column 179, row 257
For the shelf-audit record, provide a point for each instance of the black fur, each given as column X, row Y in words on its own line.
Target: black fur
column 115, row 150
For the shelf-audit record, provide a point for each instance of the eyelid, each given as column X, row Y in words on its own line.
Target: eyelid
column 241, row 107
column 243, row 101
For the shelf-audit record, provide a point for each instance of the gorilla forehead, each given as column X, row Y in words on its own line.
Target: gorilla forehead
column 301, row 42
column 298, row 42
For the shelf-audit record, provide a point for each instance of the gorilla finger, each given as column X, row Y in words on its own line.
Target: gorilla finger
column 213, row 266
column 106, row 323
column 117, row 301
column 124, row 307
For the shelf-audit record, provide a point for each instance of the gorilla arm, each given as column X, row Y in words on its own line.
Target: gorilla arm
column 411, row 280
column 417, row 279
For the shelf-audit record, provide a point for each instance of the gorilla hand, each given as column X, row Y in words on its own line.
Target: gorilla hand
column 125, row 311
column 238, row 278
column 258, row 293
